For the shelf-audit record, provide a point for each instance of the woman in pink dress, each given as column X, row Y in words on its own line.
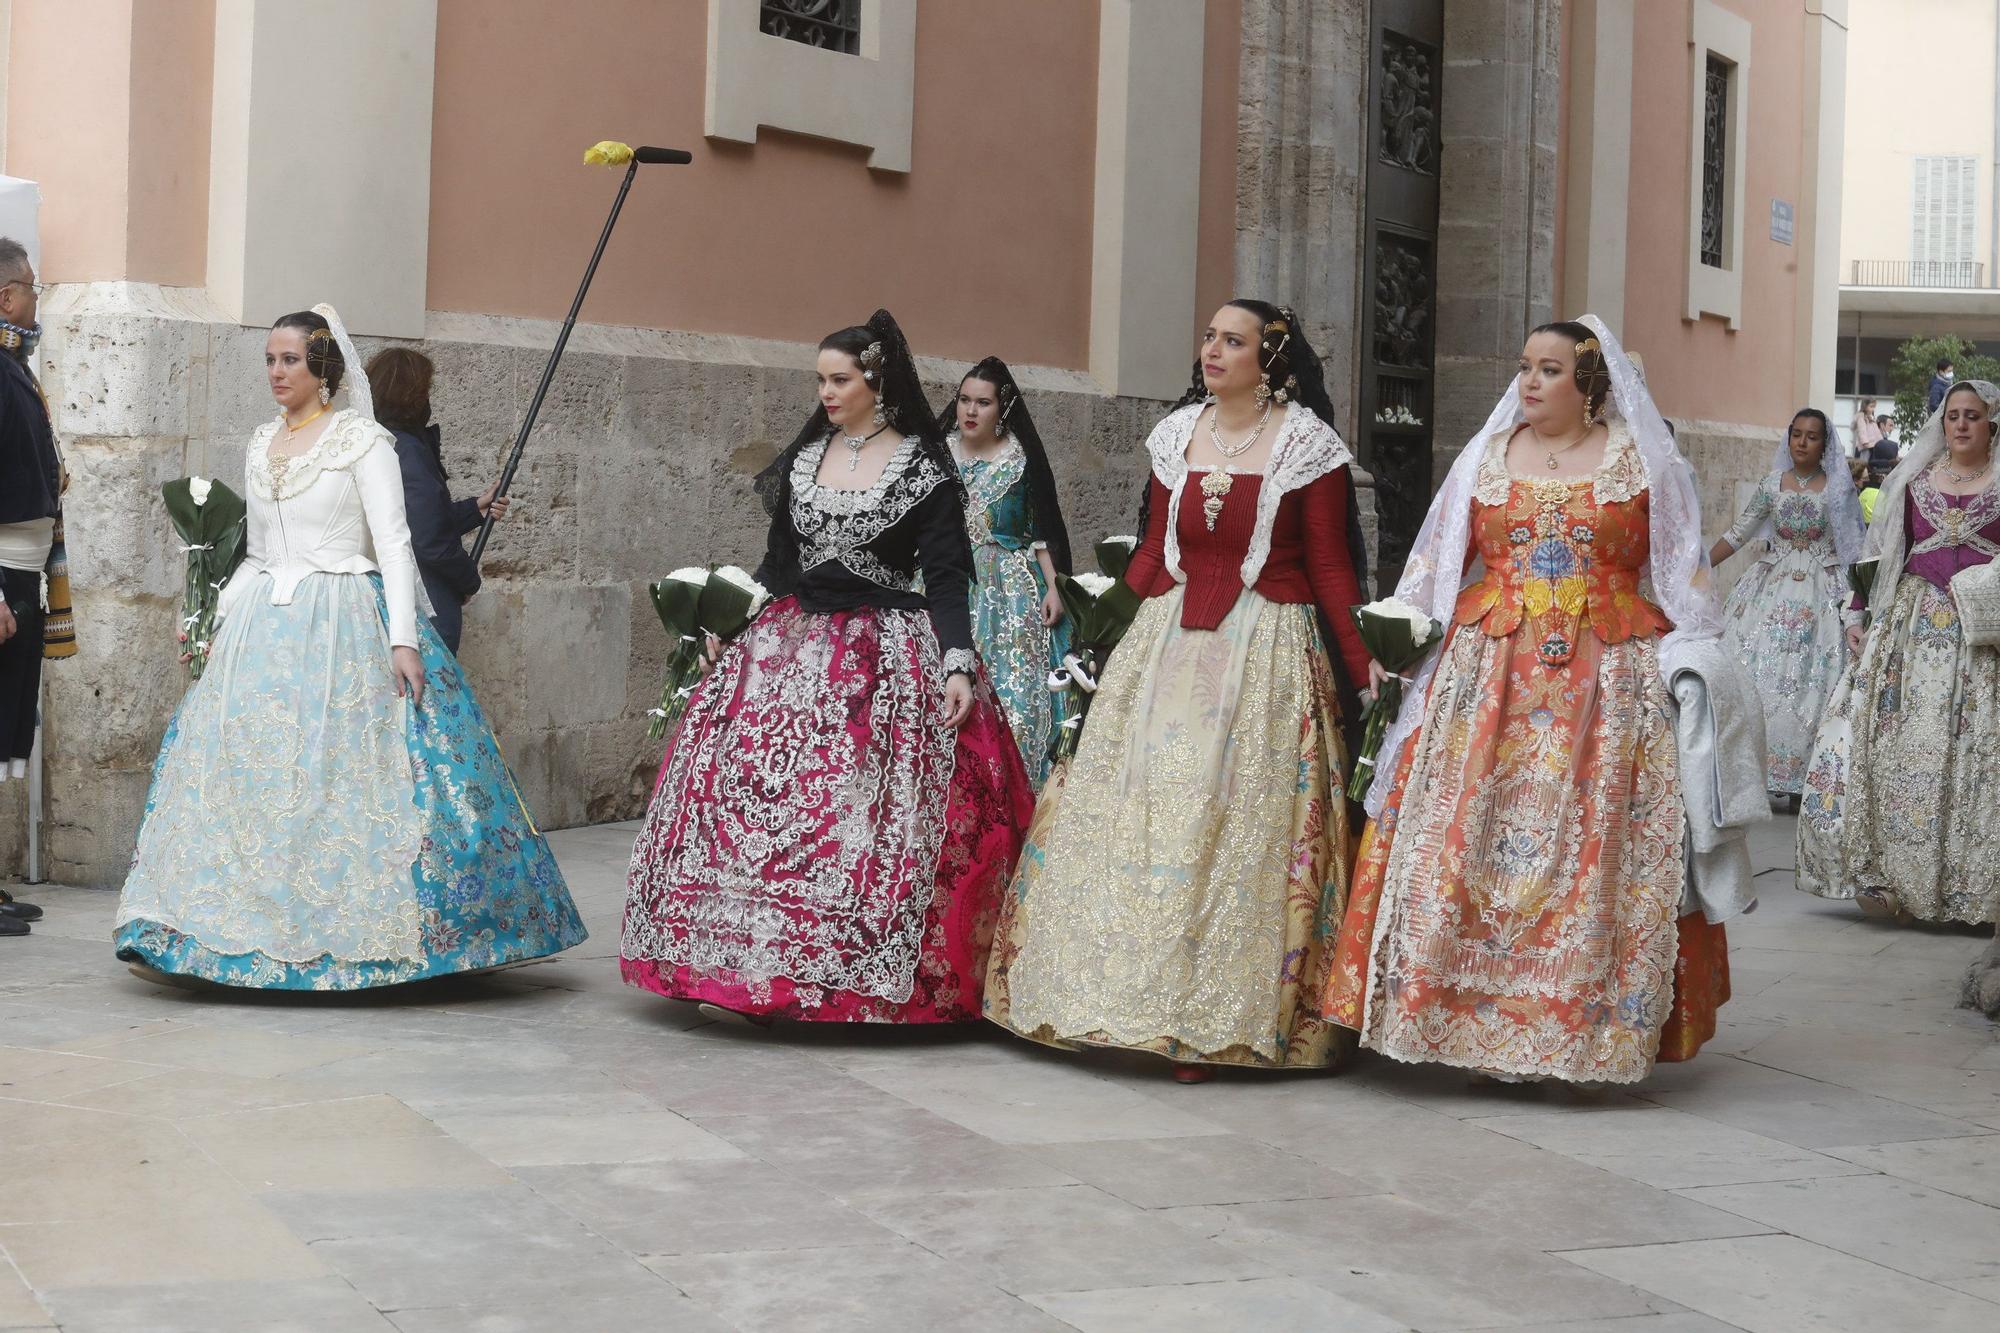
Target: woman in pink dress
column 840, row 810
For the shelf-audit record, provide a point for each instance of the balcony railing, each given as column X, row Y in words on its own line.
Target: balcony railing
column 1917, row 273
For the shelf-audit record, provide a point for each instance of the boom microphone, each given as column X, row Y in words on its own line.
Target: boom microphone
column 666, row 157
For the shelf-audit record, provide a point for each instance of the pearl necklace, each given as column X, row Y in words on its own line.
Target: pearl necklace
column 1235, row 450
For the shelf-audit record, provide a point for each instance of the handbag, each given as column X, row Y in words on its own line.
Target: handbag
column 1976, row 593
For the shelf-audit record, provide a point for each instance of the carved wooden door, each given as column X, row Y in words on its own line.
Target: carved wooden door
column 1399, row 268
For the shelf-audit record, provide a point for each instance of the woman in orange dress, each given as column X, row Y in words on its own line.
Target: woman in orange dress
column 1517, row 908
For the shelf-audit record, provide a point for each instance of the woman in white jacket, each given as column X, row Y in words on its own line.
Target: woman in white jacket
column 329, row 810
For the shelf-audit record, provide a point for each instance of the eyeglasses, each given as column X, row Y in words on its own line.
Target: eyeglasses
column 36, row 287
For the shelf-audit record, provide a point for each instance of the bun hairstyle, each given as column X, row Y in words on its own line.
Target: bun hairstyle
column 323, row 356
column 1592, row 373
column 887, row 366
column 890, row 370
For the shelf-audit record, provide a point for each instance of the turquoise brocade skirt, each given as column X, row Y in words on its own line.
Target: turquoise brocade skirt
column 308, row 830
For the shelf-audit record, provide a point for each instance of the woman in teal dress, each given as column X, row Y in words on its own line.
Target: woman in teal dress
column 1018, row 545
column 329, row 810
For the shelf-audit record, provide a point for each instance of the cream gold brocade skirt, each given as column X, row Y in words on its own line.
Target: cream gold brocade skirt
column 1181, row 886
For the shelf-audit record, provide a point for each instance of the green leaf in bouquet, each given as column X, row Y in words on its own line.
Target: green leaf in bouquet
column 724, row 608
column 1114, row 555
column 1392, row 640
column 678, row 604
column 1113, row 615
column 223, row 511
column 1861, row 578
column 1076, row 599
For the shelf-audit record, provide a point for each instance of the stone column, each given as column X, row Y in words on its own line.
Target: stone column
column 1300, row 133
column 1496, row 215
column 320, row 184
column 1147, row 210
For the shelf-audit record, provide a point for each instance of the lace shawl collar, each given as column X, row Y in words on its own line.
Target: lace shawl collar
column 837, row 525
column 1306, row 450
column 1619, row 477
column 347, row 437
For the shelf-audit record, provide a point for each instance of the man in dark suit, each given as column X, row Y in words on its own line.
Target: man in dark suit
column 30, row 497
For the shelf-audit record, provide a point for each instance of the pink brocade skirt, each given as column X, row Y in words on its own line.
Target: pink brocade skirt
column 820, row 844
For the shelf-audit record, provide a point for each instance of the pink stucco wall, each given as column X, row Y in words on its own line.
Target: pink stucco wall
column 983, row 247
column 1700, row 368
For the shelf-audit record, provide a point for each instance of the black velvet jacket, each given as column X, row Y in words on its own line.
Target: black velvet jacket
column 836, row 550
column 30, row 476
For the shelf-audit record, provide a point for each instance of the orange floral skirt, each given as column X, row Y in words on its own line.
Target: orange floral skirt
column 1515, row 909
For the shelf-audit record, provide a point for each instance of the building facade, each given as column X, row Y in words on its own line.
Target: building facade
column 1072, row 185
column 1920, row 235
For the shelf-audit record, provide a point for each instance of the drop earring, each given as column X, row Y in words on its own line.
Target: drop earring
column 325, row 394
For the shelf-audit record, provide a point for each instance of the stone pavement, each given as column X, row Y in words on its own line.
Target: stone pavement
column 546, row 1150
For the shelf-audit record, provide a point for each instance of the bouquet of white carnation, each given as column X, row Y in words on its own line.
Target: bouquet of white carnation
column 209, row 519
column 693, row 603
column 1397, row 635
column 1100, row 608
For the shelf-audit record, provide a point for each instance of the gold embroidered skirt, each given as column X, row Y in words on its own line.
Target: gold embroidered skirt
column 1183, row 881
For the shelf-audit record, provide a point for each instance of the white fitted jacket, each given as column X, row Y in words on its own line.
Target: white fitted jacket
column 335, row 509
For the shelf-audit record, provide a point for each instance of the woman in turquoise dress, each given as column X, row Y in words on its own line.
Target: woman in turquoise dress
column 1019, row 544
column 329, row 810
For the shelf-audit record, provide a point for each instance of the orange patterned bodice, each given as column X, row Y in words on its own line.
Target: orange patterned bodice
column 1562, row 557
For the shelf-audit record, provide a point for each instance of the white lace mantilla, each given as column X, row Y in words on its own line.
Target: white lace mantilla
column 838, row 525
column 1306, row 450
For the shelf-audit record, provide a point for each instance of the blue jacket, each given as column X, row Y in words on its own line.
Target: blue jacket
column 438, row 525
column 1940, row 386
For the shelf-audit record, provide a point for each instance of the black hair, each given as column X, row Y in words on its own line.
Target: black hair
column 1287, row 358
column 889, row 368
column 323, row 356
column 1944, row 364
column 1015, row 420
column 1827, row 438
column 1593, row 371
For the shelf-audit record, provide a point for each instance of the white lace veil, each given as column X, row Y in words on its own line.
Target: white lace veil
column 1887, row 540
column 1678, row 571
column 1843, row 502
column 353, row 379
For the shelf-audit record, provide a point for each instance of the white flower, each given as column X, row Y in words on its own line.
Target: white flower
column 739, row 577
column 1094, row 584
column 1129, row 543
column 1395, row 608
column 198, row 488
column 695, row 574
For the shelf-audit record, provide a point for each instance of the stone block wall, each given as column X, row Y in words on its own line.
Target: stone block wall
column 642, row 460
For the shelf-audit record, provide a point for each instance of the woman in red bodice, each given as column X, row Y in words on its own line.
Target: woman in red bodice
column 1180, row 896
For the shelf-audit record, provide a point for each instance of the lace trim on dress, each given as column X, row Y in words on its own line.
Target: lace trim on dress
column 1306, row 450
column 346, row 439
column 836, row 525
column 1620, row 476
column 987, row 483
column 1954, row 525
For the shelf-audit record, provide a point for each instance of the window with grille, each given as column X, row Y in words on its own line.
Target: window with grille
column 1943, row 219
column 1714, row 160
column 833, row 25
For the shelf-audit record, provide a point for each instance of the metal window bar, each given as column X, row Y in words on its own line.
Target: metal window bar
column 1714, row 160
column 831, row 25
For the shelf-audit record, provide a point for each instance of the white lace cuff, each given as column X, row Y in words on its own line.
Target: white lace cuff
column 961, row 661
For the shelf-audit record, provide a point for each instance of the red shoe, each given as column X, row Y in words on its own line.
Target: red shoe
column 1192, row 1074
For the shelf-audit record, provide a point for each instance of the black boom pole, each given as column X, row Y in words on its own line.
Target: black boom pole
column 672, row 156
